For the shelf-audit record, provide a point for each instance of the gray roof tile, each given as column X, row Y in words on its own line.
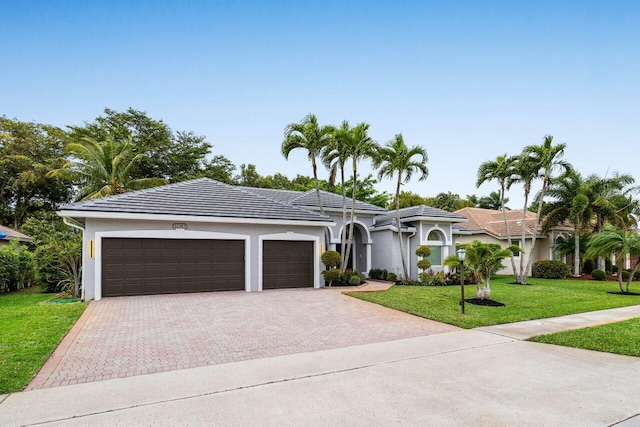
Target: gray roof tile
column 199, row 197
column 415, row 211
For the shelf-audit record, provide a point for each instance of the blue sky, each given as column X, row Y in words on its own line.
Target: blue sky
column 468, row 80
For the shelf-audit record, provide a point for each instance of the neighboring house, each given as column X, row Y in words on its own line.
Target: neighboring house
column 204, row 235
column 487, row 225
column 8, row 234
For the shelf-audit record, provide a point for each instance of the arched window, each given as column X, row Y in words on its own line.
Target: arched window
column 557, row 244
column 435, row 241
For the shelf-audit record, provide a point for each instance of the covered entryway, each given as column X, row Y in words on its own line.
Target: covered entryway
column 287, row 264
column 143, row 266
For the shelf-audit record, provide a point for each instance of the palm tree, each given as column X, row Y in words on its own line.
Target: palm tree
column 483, row 259
column 571, row 202
column 502, row 170
column 334, row 157
column 395, row 158
column 619, row 242
column 547, row 157
column 311, row 137
column 493, row 201
column 103, row 168
column 359, row 145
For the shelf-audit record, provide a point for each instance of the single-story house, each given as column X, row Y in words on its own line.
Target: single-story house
column 487, row 226
column 8, row 234
column 204, row 235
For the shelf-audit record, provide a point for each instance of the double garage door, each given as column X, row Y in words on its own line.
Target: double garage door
column 133, row 266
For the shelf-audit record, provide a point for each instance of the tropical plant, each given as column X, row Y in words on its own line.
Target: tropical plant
column 102, row 168
column 502, row 170
column 308, row 135
column 395, row 158
column 493, row 201
column 330, row 259
column 359, row 146
column 570, row 202
column 619, row 242
column 547, row 158
column 483, row 259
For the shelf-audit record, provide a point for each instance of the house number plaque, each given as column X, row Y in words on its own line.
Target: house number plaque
column 179, row 225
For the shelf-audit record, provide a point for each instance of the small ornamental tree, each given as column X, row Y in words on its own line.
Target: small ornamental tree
column 484, row 259
column 423, row 264
column 330, row 259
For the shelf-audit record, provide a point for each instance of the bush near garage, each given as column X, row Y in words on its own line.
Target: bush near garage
column 550, row 269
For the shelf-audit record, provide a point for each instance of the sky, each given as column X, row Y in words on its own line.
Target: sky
column 467, row 80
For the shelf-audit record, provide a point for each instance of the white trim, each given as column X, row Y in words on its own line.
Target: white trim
column 392, row 228
column 368, row 259
column 362, row 224
column 425, row 239
column 187, row 218
column 432, row 219
column 291, row 236
column 339, row 210
column 168, row 234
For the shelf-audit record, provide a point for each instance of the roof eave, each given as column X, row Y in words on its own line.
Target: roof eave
column 194, row 218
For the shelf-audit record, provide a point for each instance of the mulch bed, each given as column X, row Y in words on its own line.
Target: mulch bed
column 485, row 302
column 625, row 293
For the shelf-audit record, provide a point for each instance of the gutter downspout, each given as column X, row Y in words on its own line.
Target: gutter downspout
column 75, row 224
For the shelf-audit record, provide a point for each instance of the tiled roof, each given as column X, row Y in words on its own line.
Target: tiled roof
column 492, row 221
column 199, row 197
column 415, row 212
column 11, row 234
column 309, row 199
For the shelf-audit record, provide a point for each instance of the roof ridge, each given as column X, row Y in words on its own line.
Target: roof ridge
column 280, row 202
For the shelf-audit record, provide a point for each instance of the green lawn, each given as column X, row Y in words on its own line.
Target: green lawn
column 539, row 299
column 29, row 331
column 619, row 338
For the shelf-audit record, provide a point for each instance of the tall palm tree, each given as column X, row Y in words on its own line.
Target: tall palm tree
column 103, row 168
column 570, row 202
column 619, row 242
column 359, row 146
column 493, row 201
column 502, row 170
column 395, row 158
column 311, row 137
column 548, row 159
column 334, row 157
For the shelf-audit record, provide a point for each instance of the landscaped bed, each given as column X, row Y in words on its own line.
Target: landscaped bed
column 541, row 298
column 30, row 330
column 619, row 338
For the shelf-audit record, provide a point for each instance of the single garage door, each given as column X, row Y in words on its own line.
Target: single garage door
column 164, row 266
column 287, row 264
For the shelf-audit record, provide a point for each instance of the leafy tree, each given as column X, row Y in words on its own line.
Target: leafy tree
column 449, row 202
column 102, row 168
column 396, row 159
column 173, row 156
column 308, row 135
column 408, row 199
column 503, row 170
column 548, row 158
column 483, row 259
column 27, row 152
column 249, row 176
column 616, row 241
column 570, row 202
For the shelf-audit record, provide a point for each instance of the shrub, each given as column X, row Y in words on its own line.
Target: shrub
column 355, row 280
column 377, row 273
column 589, row 266
column 392, row 277
column 626, row 274
column 424, row 264
column 598, row 275
column 607, row 265
column 549, row 269
column 331, row 276
column 614, row 269
column 636, row 275
column 330, row 259
column 8, row 269
column 432, row 279
column 16, row 267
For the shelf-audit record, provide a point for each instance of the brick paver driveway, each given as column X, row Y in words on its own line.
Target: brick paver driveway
column 126, row 336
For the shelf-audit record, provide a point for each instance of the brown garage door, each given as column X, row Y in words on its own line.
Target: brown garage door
column 287, row 264
column 164, row 266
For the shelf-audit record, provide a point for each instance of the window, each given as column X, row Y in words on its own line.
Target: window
column 436, row 255
column 516, row 243
column 435, row 241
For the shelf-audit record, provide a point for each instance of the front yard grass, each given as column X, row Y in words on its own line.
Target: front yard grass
column 539, row 299
column 29, row 331
column 619, row 338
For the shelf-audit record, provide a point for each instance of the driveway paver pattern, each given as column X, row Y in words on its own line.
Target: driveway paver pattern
column 127, row 336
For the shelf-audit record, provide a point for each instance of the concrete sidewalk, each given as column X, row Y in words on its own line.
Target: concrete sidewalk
column 461, row 378
column 532, row 328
